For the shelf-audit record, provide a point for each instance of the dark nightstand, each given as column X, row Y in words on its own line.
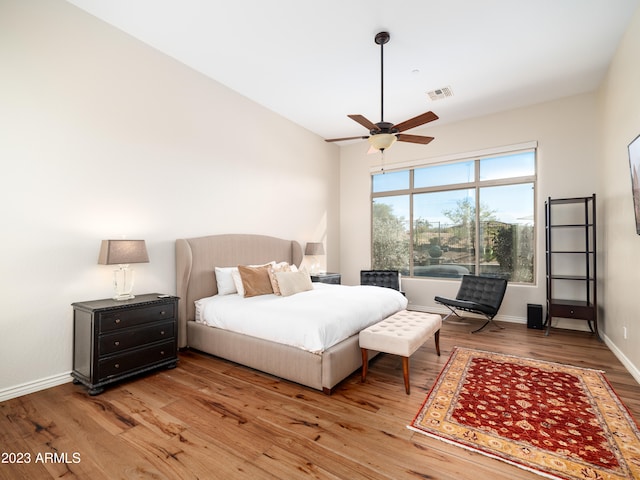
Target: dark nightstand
column 113, row 340
column 333, row 278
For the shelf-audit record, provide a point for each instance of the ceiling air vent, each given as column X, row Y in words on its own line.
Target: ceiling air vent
column 440, row 93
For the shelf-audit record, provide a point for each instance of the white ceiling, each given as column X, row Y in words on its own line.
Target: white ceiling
column 316, row 62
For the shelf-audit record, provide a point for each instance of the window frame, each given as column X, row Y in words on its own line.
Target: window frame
column 476, row 185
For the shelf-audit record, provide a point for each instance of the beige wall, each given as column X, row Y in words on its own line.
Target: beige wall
column 100, row 137
column 566, row 132
column 620, row 123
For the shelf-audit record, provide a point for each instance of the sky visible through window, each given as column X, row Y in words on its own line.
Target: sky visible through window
column 515, row 202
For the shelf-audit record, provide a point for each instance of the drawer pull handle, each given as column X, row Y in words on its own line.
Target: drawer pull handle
column 161, row 352
column 161, row 332
column 163, row 312
column 116, row 343
column 117, row 321
column 117, row 365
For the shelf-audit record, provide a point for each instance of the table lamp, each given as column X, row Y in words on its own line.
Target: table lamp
column 123, row 253
column 313, row 249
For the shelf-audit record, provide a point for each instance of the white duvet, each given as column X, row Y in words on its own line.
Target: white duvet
column 313, row 320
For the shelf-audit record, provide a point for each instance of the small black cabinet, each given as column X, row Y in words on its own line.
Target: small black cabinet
column 113, row 340
column 332, row 278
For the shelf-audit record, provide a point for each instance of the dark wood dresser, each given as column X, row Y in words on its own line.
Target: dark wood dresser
column 113, row 340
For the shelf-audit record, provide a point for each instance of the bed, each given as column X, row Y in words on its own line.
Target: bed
column 196, row 259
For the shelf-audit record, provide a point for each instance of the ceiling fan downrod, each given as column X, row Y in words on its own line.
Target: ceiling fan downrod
column 380, row 39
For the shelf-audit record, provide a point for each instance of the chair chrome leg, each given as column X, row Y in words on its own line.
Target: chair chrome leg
column 458, row 321
column 452, row 312
column 490, row 320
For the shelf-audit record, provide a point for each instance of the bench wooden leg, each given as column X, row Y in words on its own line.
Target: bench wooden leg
column 437, row 338
column 405, row 373
column 365, row 363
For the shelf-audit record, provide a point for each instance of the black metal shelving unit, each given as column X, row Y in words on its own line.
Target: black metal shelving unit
column 570, row 226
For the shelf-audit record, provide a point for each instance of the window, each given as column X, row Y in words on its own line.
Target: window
column 446, row 220
column 392, row 233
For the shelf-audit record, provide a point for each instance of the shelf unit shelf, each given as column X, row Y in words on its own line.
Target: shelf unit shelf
column 570, row 241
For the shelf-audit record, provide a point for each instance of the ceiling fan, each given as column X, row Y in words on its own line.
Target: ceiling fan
column 384, row 134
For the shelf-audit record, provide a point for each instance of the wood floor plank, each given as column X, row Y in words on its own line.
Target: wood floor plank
column 210, row 418
column 12, row 442
column 300, row 460
column 155, row 420
column 188, row 456
column 230, row 433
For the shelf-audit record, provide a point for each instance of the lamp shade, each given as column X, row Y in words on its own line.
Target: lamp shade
column 382, row 141
column 122, row 252
column 314, row 248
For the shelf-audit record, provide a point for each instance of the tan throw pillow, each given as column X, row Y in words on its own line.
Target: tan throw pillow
column 237, row 280
column 255, row 280
column 278, row 267
column 294, row 282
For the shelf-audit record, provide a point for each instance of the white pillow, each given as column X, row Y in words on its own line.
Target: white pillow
column 237, row 281
column 294, row 282
column 224, row 280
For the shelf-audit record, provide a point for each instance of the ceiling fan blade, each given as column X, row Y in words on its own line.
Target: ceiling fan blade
column 366, row 123
column 345, row 138
column 403, row 137
column 416, row 121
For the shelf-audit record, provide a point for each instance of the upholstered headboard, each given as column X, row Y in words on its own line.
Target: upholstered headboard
column 196, row 259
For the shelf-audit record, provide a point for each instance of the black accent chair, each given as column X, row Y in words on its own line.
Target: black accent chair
column 381, row 278
column 482, row 295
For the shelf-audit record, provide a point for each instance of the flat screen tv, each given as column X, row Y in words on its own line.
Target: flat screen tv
column 634, row 164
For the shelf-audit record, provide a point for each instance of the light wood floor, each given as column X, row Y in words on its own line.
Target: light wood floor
column 211, row 419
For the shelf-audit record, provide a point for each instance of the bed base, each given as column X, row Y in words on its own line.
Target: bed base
column 319, row 371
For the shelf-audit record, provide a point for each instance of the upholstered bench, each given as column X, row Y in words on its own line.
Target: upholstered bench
column 400, row 334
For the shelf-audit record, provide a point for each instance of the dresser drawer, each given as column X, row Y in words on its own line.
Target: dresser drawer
column 581, row 312
column 143, row 357
column 115, row 319
column 132, row 338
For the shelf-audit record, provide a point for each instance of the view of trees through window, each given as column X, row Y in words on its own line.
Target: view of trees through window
column 449, row 220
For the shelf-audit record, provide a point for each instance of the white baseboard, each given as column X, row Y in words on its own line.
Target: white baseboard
column 631, row 368
column 35, row 386
column 445, row 311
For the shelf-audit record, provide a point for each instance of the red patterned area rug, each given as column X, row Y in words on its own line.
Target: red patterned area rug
column 559, row 421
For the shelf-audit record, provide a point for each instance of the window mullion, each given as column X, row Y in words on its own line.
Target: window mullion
column 411, row 231
column 477, row 219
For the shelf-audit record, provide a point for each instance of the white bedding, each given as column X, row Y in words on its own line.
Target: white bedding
column 313, row 320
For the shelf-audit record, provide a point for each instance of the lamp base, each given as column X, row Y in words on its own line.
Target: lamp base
column 123, row 296
column 123, row 283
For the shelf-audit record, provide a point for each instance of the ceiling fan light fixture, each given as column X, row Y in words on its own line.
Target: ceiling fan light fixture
column 382, row 141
